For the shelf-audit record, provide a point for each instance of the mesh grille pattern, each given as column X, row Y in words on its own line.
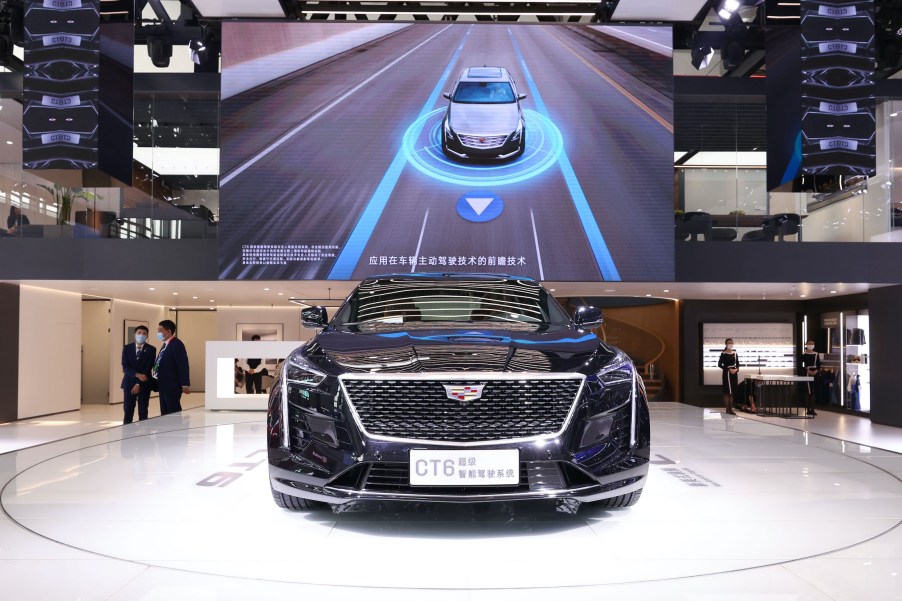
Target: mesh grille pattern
column 421, row 409
column 482, row 141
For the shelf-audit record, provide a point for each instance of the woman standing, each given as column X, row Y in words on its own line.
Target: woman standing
column 729, row 363
column 809, row 366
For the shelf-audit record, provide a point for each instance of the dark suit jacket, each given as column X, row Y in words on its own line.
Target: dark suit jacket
column 172, row 371
column 131, row 365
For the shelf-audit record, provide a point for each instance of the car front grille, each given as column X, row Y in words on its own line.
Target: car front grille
column 482, row 142
column 421, row 410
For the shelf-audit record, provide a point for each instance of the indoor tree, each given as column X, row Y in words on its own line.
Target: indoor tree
column 64, row 198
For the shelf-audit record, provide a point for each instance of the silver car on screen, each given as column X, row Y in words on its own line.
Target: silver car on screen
column 484, row 119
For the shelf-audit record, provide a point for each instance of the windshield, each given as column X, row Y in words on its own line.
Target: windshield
column 483, row 92
column 436, row 302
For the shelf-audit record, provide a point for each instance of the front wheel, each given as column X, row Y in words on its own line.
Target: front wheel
column 295, row 503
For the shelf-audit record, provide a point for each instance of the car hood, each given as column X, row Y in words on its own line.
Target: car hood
column 484, row 119
column 545, row 350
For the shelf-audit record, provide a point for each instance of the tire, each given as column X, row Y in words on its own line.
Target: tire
column 627, row 500
column 296, row 503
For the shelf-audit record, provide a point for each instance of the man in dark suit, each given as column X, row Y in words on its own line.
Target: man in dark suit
column 171, row 369
column 137, row 363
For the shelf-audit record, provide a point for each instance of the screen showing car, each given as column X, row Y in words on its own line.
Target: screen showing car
column 353, row 149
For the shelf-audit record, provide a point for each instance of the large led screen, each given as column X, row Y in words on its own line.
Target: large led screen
column 351, row 149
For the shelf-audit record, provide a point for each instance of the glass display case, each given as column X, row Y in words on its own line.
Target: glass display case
column 845, row 378
column 762, row 348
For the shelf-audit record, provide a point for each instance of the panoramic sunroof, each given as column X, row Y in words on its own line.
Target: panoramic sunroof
column 486, row 72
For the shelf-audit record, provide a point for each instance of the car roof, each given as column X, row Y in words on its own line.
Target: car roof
column 484, row 74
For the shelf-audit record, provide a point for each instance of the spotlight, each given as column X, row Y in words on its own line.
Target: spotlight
column 160, row 51
column 200, row 54
column 701, row 56
column 728, row 10
column 733, row 47
column 732, row 54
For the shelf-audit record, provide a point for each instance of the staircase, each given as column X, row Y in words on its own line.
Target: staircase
column 654, row 387
column 644, row 348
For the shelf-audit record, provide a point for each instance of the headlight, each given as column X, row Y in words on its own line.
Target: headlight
column 448, row 133
column 518, row 132
column 299, row 371
column 619, row 371
column 611, row 386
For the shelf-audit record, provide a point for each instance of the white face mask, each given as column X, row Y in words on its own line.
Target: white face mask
column 729, row 346
column 140, row 338
column 810, row 347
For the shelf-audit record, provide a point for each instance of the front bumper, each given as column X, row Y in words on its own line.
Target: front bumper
column 354, row 467
column 507, row 150
column 338, row 492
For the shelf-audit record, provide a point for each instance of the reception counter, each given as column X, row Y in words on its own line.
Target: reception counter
column 776, row 395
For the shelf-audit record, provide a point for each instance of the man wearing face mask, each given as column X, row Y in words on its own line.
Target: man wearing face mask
column 137, row 363
column 171, row 369
column 809, row 366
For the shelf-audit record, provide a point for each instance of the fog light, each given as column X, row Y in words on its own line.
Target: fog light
column 596, row 429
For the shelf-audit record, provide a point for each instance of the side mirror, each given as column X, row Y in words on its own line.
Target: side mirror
column 587, row 318
column 446, row 95
column 314, row 317
column 521, row 96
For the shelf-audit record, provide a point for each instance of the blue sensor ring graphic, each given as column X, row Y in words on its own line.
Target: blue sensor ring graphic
column 423, row 148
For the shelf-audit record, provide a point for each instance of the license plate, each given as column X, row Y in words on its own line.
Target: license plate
column 464, row 468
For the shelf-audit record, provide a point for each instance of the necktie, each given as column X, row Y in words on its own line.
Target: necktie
column 156, row 364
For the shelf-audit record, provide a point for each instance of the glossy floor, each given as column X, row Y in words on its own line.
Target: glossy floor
column 179, row 508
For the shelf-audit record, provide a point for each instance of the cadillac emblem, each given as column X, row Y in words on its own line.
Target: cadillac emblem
column 464, row 394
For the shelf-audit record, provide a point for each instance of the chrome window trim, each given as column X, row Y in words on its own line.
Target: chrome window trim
column 633, row 440
column 286, row 425
column 457, row 376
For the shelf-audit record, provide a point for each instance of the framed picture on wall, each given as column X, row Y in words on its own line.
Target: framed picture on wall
column 266, row 331
column 129, row 329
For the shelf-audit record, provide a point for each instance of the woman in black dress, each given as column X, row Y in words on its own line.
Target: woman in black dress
column 729, row 363
column 809, row 366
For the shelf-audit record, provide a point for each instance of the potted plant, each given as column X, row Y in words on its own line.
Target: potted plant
column 64, row 198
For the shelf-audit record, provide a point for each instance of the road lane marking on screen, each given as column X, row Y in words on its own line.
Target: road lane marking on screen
column 413, row 267
column 292, row 132
column 535, row 236
column 350, row 254
column 622, row 31
column 599, row 247
column 629, row 96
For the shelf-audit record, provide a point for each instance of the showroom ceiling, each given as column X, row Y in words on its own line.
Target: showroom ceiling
column 213, row 294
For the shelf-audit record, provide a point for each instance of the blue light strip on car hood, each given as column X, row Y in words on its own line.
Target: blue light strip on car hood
column 501, row 339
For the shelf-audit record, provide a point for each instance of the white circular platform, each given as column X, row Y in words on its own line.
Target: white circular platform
column 723, row 495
